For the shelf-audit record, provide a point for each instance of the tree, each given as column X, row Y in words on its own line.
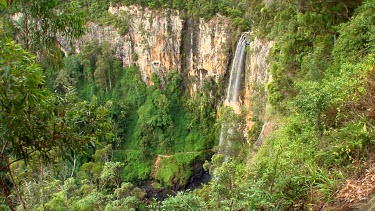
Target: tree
column 37, row 124
column 107, row 67
column 40, row 23
column 23, row 109
column 111, row 174
column 71, row 73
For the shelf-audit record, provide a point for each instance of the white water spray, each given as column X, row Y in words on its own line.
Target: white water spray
column 234, row 86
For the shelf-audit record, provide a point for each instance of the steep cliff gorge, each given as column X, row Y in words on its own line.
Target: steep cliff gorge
column 130, row 115
column 159, row 41
column 163, row 40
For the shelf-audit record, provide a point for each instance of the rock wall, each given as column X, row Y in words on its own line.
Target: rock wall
column 154, row 38
column 206, row 49
column 257, row 73
column 159, row 41
column 257, row 76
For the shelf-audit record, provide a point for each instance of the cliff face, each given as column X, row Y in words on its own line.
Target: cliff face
column 257, row 76
column 153, row 40
column 161, row 41
column 257, row 73
column 206, row 49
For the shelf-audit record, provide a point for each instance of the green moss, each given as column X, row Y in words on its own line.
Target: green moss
column 168, row 172
column 176, row 170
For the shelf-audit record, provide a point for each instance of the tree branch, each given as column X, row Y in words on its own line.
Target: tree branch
column 18, row 159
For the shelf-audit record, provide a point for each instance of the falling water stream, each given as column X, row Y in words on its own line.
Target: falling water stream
column 233, row 90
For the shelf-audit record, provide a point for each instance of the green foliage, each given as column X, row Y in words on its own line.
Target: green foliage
column 288, row 153
column 93, row 201
column 356, row 38
column 3, row 4
column 35, row 123
column 255, row 131
column 348, row 144
column 71, row 72
column 39, row 125
column 322, row 132
column 121, row 23
column 128, row 203
column 23, row 102
column 107, row 67
column 58, row 202
column 96, row 10
column 223, row 192
column 322, row 69
column 151, row 127
column 96, row 63
column 306, row 36
column 111, row 174
column 37, row 23
column 136, row 169
column 111, row 132
column 130, row 89
column 176, row 170
column 232, row 127
column 182, row 201
column 89, row 57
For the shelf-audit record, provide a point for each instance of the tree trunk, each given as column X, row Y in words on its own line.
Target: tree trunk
column 17, row 189
column 5, row 188
column 110, row 79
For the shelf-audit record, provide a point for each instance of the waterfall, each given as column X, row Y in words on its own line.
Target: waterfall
column 234, row 85
column 235, row 73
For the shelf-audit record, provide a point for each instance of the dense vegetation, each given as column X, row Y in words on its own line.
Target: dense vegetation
column 98, row 130
column 321, row 92
column 86, row 134
column 96, row 10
